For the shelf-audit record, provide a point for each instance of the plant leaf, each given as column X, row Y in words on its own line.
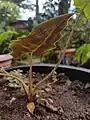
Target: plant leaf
column 42, row 37
column 81, row 3
column 83, row 53
column 31, row 107
column 5, row 35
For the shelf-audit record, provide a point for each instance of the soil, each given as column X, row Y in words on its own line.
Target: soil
column 63, row 100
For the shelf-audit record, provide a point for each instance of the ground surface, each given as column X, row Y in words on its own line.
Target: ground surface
column 64, row 100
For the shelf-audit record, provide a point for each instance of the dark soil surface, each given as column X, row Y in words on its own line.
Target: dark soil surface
column 63, row 100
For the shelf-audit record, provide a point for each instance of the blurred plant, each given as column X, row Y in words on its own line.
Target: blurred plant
column 80, row 4
column 8, row 12
column 83, row 54
column 50, row 56
column 5, row 39
column 21, row 33
column 80, row 36
column 25, row 4
column 82, row 32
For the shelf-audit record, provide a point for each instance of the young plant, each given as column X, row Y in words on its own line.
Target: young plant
column 41, row 38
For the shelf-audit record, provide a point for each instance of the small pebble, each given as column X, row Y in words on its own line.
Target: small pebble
column 12, row 100
column 87, row 86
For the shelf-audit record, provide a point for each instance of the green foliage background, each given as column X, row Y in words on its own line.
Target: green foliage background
column 83, row 52
column 81, row 3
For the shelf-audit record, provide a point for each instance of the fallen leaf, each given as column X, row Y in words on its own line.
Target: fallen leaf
column 31, row 107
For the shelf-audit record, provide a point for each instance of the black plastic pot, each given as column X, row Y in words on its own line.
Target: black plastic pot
column 74, row 73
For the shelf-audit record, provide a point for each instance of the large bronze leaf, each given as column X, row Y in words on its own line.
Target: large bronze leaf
column 42, row 37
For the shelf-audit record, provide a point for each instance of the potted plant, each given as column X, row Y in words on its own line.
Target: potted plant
column 37, row 41
column 46, row 96
column 5, row 57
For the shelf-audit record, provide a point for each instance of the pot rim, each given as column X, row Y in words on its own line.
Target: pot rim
column 5, row 57
column 52, row 65
column 74, row 73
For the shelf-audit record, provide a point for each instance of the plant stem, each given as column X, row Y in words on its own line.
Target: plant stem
column 30, row 83
column 61, row 57
column 17, row 78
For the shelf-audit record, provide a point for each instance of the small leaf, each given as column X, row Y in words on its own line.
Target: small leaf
column 31, row 107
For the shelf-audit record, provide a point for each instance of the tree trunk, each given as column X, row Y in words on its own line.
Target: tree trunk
column 37, row 8
column 63, row 6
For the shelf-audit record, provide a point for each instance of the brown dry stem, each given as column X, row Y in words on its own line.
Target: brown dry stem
column 30, row 83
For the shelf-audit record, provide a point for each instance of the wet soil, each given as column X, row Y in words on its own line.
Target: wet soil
column 63, row 100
